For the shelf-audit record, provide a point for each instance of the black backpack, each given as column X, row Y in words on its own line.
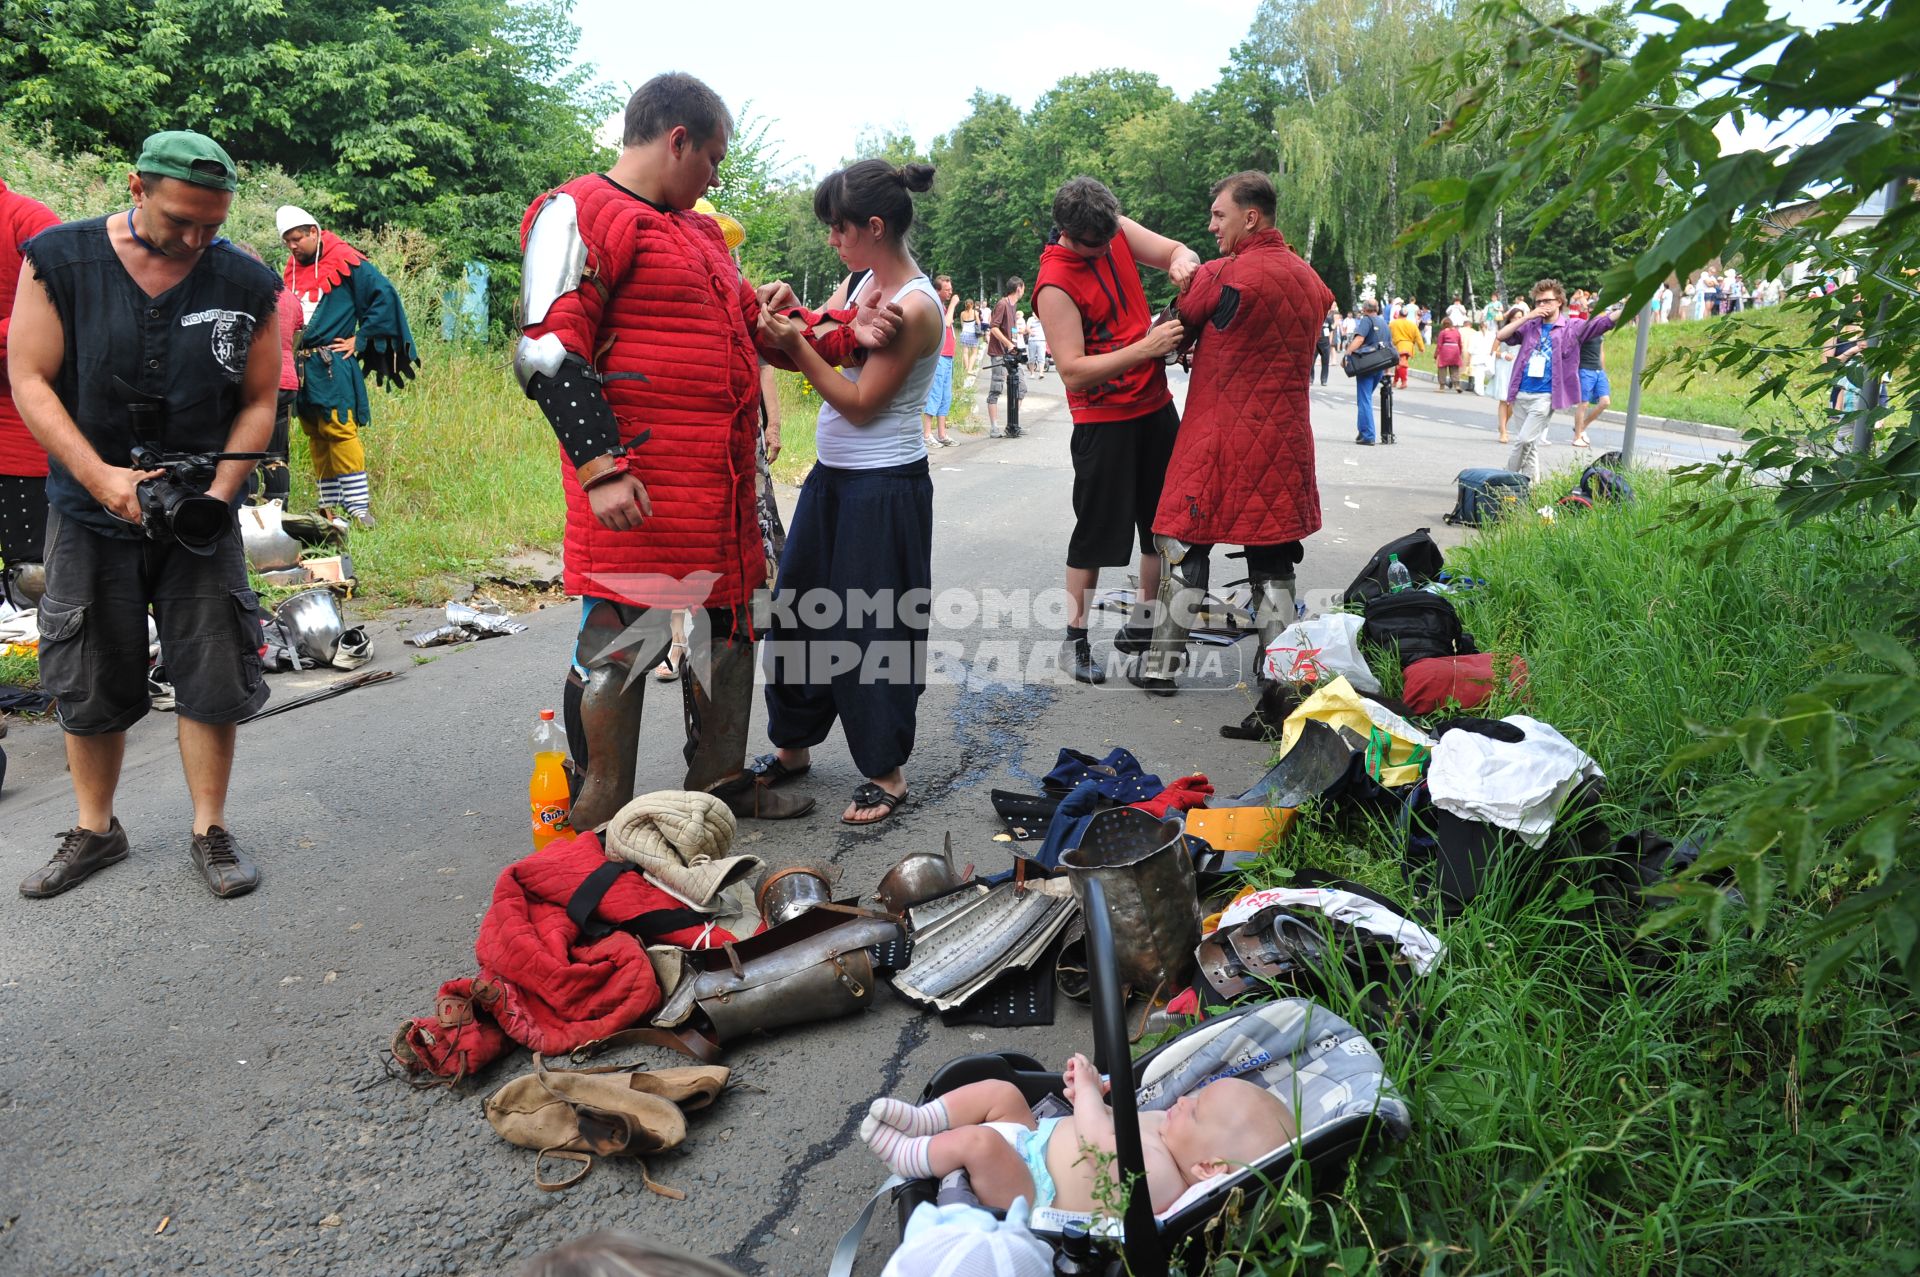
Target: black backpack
column 1416, row 624
column 1486, row 495
column 1419, row 554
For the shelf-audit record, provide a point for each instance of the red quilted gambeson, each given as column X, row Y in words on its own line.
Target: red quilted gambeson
column 666, row 317
column 557, row 992
column 1242, row 468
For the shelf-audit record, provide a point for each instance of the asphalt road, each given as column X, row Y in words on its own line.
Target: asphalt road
column 215, row 1065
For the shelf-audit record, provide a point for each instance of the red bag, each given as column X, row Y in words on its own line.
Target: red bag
column 1467, row 680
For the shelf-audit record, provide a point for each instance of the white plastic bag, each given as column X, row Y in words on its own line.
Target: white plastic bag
column 1517, row 786
column 1318, row 649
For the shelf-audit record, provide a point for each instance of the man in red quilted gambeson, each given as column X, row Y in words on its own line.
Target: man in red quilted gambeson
column 638, row 346
column 1242, row 468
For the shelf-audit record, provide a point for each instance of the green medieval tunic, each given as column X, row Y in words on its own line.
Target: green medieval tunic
column 354, row 300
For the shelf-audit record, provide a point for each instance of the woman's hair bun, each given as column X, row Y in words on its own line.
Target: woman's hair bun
column 917, row 177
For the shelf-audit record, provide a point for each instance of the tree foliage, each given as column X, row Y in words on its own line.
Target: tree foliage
column 1832, row 793
column 444, row 115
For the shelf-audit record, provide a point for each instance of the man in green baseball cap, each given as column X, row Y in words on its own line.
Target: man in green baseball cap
column 137, row 333
column 190, row 157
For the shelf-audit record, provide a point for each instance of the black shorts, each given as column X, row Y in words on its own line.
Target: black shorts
column 23, row 517
column 93, row 628
column 1118, row 470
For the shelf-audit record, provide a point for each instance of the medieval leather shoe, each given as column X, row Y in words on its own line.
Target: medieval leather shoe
column 1133, row 642
column 228, row 870
column 1152, row 684
column 82, row 853
column 1084, row 668
column 745, row 796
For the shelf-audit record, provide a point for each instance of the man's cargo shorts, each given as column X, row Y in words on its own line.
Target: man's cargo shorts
column 93, row 628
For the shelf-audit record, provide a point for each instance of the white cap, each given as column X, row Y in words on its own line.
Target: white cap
column 288, row 217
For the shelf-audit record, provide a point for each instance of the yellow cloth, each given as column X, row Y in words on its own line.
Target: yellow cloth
column 1338, row 705
column 1406, row 335
column 335, row 445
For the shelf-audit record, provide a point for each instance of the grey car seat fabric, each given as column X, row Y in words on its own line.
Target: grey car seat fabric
column 1323, row 1067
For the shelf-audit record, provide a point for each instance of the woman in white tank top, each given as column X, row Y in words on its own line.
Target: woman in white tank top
column 863, row 528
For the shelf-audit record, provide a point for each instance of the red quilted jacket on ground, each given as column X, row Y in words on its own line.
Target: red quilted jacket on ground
column 1242, row 468
column 665, row 315
column 558, row 993
column 21, row 219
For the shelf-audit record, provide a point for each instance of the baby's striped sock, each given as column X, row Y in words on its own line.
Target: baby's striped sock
column 903, row 1154
column 912, row 1119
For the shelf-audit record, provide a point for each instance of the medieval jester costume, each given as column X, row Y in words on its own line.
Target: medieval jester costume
column 347, row 299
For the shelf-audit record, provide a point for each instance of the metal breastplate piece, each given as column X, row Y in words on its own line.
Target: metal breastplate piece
column 1152, row 898
column 918, row 876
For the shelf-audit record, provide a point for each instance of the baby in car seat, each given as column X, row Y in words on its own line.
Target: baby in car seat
column 987, row 1129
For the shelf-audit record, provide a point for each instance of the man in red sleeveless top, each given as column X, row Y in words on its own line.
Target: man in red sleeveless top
column 639, row 348
column 1110, row 356
column 1242, row 472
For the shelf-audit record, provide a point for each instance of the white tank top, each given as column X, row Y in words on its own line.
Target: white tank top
column 893, row 437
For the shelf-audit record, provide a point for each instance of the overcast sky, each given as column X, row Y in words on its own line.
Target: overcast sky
column 822, row 74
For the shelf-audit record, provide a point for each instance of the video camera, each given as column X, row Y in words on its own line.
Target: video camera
column 176, row 503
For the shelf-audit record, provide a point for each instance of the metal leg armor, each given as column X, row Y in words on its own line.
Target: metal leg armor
column 718, row 702
column 616, row 656
column 1273, row 606
column 1183, row 590
column 25, row 583
column 719, row 709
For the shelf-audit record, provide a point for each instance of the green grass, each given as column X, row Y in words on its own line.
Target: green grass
column 1716, row 397
column 1576, row 1111
column 464, row 472
column 19, row 669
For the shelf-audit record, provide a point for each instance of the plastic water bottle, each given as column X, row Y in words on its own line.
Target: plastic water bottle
column 1398, row 578
column 548, row 796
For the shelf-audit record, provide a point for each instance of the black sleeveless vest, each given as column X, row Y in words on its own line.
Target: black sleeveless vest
column 183, row 352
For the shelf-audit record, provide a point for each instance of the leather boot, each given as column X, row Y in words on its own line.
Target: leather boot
column 719, row 706
column 82, row 854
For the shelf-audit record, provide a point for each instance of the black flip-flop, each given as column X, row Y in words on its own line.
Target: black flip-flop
column 768, row 770
column 871, row 795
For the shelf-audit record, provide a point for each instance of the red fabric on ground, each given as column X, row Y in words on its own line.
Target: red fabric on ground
column 1468, row 680
column 1181, row 795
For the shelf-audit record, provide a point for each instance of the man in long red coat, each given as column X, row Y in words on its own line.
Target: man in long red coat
column 1242, row 468
column 638, row 346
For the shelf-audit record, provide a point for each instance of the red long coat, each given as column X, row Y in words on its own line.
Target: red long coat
column 21, row 218
column 665, row 308
column 1242, row 468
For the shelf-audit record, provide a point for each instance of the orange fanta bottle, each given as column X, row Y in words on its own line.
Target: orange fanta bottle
column 547, row 792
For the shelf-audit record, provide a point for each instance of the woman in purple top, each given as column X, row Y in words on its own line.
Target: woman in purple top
column 1546, row 374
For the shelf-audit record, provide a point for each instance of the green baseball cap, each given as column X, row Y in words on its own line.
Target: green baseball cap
column 189, row 156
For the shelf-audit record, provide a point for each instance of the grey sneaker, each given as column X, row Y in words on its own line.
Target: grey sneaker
column 82, row 853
